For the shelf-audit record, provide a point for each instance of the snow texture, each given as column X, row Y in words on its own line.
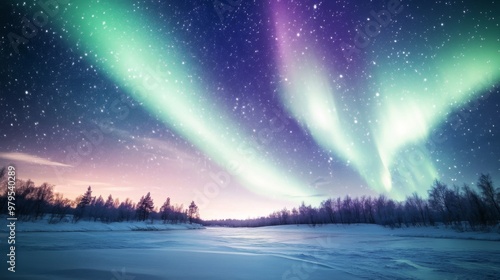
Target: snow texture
column 282, row 252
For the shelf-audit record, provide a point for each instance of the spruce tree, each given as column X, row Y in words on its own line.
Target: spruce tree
column 193, row 212
column 85, row 200
column 145, row 207
column 165, row 210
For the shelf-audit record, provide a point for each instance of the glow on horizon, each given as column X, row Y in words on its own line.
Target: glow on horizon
column 122, row 44
column 376, row 144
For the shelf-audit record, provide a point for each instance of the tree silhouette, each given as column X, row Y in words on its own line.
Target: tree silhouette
column 165, row 210
column 490, row 195
column 475, row 208
column 193, row 212
column 83, row 202
column 144, row 207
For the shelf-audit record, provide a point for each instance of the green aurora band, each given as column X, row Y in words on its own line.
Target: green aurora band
column 387, row 139
column 152, row 69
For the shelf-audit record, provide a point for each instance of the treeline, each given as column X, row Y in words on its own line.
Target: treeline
column 462, row 208
column 38, row 202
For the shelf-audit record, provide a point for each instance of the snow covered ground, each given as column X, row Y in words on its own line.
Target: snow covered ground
column 43, row 226
column 284, row 252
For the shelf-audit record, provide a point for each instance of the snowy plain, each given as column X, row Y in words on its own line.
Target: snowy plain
column 281, row 252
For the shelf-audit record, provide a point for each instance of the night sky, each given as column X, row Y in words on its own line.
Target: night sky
column 246, row 107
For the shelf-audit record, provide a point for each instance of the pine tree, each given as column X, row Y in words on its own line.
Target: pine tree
column 109, row 202
column 108, row 210
column 165, row 210
column 98, row 207
column 193, row 212
column 125, row 210
column 84, row 201
column 144, row 207
column 86, row 198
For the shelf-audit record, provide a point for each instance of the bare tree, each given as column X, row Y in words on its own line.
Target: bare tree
column 328, row 205
column 489, row 194
column 478, row 214
column 60, row 208
column 437, row 198
column 41, row 197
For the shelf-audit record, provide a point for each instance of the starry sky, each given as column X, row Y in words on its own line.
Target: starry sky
column 247, row 107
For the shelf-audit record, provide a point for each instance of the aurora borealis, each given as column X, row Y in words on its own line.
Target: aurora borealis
column 405, row 115
column 254, row 107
